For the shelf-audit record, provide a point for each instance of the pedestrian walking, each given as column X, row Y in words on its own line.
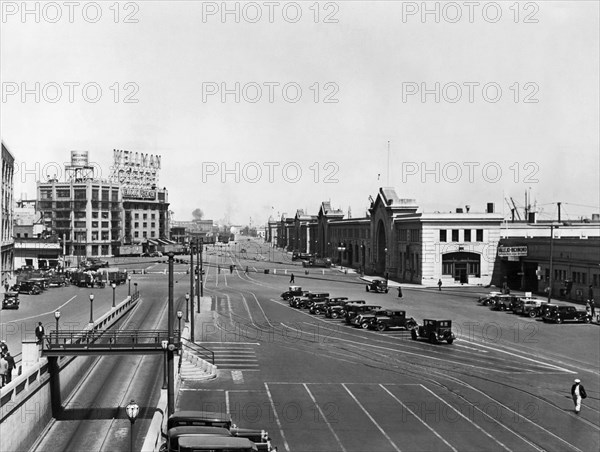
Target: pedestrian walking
column 578, row 394
column 219, row 268
column 3, row 348
column 39, row 333
column 399, row 292
column 3, row 370
column 440, row 285
column 231, row 269
column 11, row 365
column 593, row 308
column 590, row 293
column 246, row 271
column 292, row 279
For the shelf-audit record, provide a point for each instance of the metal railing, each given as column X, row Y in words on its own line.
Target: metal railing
column 202, row 352
column 106, row 339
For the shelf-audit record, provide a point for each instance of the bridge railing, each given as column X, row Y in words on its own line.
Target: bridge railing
column 197, row 349
column 108, row 339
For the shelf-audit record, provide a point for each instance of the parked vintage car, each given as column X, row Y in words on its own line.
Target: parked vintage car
column 293, row 291
column 503, row 302
column 541, row 310
column 58, row 280
column 27, row 287
column 320, row 307
column 528, row 306
column 435, row 331
column 384, row 320
column 354, row 310
column 307, row 300
column 488, row 299
column 560, row 314
column 378, row 285
column 338, row 311
column 11, row 300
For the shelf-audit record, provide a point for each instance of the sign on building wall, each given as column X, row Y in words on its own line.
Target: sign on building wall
column 136, row 172
column 512, row 251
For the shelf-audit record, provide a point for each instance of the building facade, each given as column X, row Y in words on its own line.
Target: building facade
column 146, row 216
column 85, row 214
column 6, row 217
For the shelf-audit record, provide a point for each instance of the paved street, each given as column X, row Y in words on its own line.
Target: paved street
column 317, row 384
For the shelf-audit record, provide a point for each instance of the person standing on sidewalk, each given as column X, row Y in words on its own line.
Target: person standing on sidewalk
column 292, row 280
column 11, row 365
column 3, row 370
column 440, row 285
column 39, row 332
column 578, row 394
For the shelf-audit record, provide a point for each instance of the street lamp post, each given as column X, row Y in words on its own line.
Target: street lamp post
column 129, row 280
column 132, row 409
column 57, row 316
column 114, row 287
column 179, row 316
column 164, row 345
column 91, row 308
column 551, row 262
column 187, row 307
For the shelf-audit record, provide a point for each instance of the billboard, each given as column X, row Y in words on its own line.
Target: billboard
column 137, row 172
column 79, row 158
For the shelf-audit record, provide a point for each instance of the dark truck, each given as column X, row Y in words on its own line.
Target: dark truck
column 378, row 285
column 435, row 331
column 205, row 427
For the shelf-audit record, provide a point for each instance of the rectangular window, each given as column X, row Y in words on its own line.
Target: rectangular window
column 63, row 193
column 136, row 216
column 94, row 224
column 105, row 224
column 105, row 215
column 136, row 234
column 145, row 216
column 455, row 235
column 467, row 235
column 443, row 237
column 145, row 225
column 153, row 216
column 94, row 214
column 136, row 225
column 479, row 235
column 447, row 268
column 152, row 234
column 145, row 234
column 583, row 278
column 94, row 235
column 152, row 225
column 105, row 235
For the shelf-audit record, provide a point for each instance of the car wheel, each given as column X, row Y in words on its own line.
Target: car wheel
column 450, row 340
column 410, row 325
column 413, row 335
column 531, row 314
column 386, row 290
column 31, row 292
column 381, row 326
column 559, row 320
column 587, row 320
column 334, row 315
column 317, row 312
column 364, row 325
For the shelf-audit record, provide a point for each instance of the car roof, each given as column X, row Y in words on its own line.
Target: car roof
column 199, row 430
column 216, row 442
column 201, row 415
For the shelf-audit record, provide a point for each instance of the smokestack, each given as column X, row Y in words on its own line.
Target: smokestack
column 531, row 217
column 490, row 208
column 558, row 204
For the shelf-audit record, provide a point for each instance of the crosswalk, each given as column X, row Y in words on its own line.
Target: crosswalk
column 235, row 356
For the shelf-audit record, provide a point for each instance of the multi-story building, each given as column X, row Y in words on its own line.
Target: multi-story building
column 85, row 214
column 146, row 214
column 6, row 217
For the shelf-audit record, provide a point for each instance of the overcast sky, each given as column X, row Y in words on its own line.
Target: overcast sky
column 279, row 106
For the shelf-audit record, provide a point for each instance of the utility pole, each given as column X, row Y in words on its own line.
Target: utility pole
column 171, row 346
column 199, row 285
column 558, row 205
column 191, row 292
column 201, row 271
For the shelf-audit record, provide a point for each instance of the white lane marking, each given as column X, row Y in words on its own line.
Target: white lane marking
column 537, row 361
column 324, row 417
column 227, row 403
column 229, row 307
column 363, row 344
column 372, row 419
column 418, row 418
column 41, row 313
column 471, row 348
column 466, row 418
column 285, row 443
column 247, row 309
column 237, row 376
